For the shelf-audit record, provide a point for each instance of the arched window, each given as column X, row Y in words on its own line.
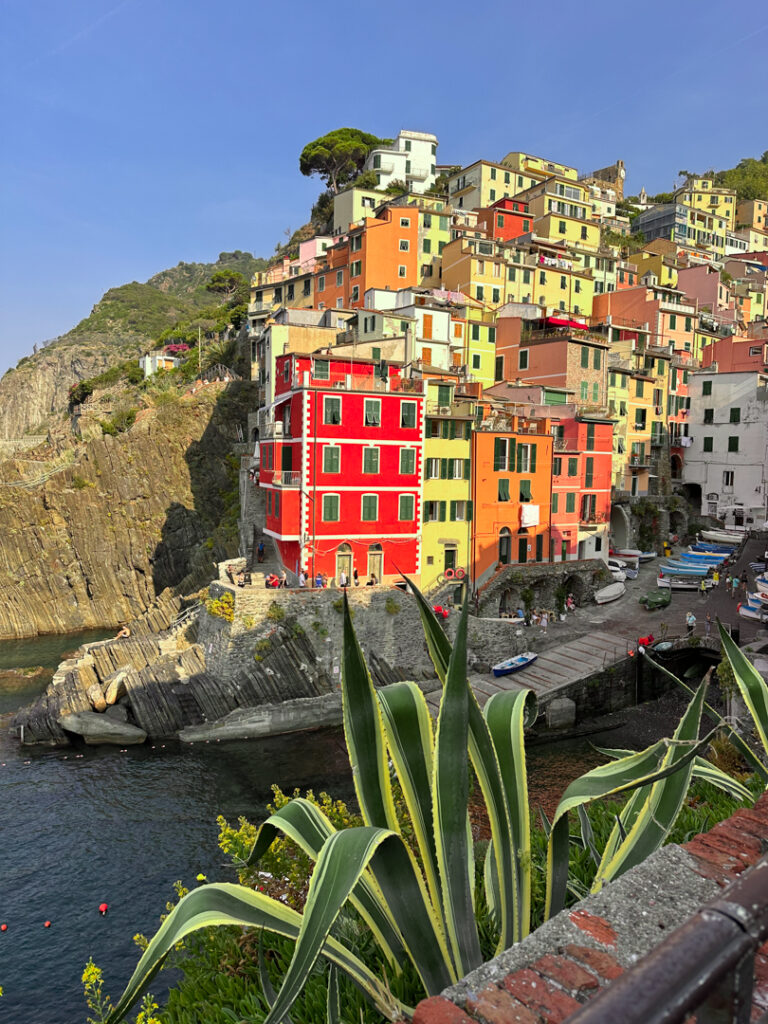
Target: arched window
column 505, row 546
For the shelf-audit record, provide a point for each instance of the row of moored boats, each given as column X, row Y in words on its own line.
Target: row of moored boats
column 693, row 569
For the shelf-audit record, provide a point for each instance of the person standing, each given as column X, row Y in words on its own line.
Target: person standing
column 708, row 625
column 716, row 578
column 283, row 579
column 356, row 578
column 690, row 621
column 302, row 580
column 343, row 581
column 703, row 587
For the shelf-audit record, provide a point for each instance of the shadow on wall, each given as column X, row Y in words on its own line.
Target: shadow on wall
column 186, row 556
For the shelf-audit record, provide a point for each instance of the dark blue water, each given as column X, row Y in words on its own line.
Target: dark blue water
column 78, row 827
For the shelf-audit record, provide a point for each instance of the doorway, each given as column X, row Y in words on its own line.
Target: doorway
column 376, row 561
column 344, row 561
column 505, row 546
column 449, row 559
column 522, row 549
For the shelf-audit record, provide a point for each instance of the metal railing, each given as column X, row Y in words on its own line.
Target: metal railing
column 287, row 477
column 706, row 967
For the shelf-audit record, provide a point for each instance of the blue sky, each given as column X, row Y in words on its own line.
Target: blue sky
column 139, row 133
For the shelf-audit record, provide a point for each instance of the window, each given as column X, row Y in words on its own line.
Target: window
column 557, row 466
column 526, row 458
column 570, row 502
column 372, row 412
column 661, row 367
column 584, row 391
column 322, row 369
column 672, row 322
column 356, row 268
column 498, row 371
column 525, row 490
column 475, row 362
column 407, row 507
column 706, row 387
column 709, row 415
column 585, row 357
column 376, row 354
column 408, row 461
column 588, row 470
column 408, row 415
column 688, row 324
column 321, row 284
column 370, row 460
column 431, row 469
column 355, row 294
column 499, row 220
column 475, row 332
column 526, row 225
column 563, row 282
column 426, row 245
column 542, row 277
column 511, row 273
column 369, row 511
column 287, row 370
column 500, row 451
column 584, row 232
column 735, row 415
column 590, row 437
column 356, row 243
column 522, row 359
column 733, row 444
column 331, row 458
column 503, row 489
column 405, row 222
column 555, row 501
column 573, row 467
column 402, row 271
column 330, row 508
column 332, row 410
column 708, row 444
column 430, row 511
column 339, row 278
column 728, row 478
column 405, row 245
column 561, row 227
column 595, row 391
column 639, row 388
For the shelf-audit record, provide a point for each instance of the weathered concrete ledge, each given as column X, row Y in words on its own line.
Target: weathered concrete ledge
column 270, row 720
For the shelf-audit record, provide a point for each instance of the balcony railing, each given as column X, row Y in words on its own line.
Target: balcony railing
column 453, row 409
column 593, row 518
column 287, row 477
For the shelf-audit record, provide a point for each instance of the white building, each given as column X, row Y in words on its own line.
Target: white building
column 158, row 360
column 728, row 455
column 412, row 159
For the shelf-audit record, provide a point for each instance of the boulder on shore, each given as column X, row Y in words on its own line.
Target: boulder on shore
column 114, row 686
column 95, row 695
column 96, row 729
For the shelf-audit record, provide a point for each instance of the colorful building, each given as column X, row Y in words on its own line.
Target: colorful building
column 703, row 195
column 447, row 502
column 412, row 159
column 581, row 486
column 511, row 494
column 505, row 220
column 340, row 463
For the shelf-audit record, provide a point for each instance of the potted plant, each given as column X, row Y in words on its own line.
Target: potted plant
column 561, row 595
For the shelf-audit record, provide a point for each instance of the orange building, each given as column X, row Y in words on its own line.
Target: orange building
column 382, row 252
column 511, row 495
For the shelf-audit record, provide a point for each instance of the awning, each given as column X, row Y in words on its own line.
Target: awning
column 558, row 322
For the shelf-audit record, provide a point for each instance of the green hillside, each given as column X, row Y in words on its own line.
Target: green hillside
column 749, row 178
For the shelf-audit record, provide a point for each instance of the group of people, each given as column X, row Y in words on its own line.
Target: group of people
column 273, row 581
column 690, row 623
column 537, row 616
column 732, row 581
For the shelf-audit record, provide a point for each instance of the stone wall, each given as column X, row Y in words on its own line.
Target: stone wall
column 581, row 578
column 395, row 636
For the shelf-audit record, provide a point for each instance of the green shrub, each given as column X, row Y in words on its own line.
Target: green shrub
column 391, row 606
column 79, row 482
column 275, row 612
column 223, row 607
column 122, row 420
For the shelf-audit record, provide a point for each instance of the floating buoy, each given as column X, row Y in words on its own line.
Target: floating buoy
column 201, row 877
column 47, row 924
column 103, row 908
column 3, row 927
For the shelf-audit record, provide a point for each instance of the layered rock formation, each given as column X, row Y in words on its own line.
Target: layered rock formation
column 95, row 543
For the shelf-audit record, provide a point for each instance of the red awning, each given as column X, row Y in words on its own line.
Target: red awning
column 566, row 323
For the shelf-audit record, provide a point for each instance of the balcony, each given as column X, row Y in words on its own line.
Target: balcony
column 593, row 518
column 638, row 461
column 351, row 382
column 455, row 410
column 287, row 478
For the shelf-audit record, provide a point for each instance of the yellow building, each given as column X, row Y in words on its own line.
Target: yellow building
column 702, row 194
column 446, row 504
column 572, row 231
column 526, row 164
column 618, row 409
column 662, row 265
column 482, row 183
column 353, row 205
column 476, row 266
column 752, row 213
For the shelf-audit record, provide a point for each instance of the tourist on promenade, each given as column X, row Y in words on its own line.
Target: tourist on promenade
column 302, row 579
column 735, row 586
column 703, row 587
column 744, row 581
column 319, row 580
column 708, row 625
column 356, row 578
column 690, row 621
column 324, row 579
column 260, row 551
column 343, row 581
column 716, row 578
column 230, row 571
column 283, row 579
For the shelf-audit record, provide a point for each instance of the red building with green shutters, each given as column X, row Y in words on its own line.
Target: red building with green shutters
column 341, row 465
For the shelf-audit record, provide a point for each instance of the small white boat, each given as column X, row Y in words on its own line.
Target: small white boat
column 722, row 537
column 647, row 556
column 633, row 555
column 684, row 582
column 753, row 608
column 610, row 593
column 510, row 665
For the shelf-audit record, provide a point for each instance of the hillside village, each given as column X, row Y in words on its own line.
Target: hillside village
column 490, row 365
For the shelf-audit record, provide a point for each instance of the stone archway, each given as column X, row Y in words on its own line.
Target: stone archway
column 575, row 585
column 676, row 466
column 621, row 528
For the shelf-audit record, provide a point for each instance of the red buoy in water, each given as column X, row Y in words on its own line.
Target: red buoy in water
column 47, row 924
column 103, row 908
column 3, row 927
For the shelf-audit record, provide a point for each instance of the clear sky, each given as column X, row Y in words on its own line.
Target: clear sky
column 138, row 133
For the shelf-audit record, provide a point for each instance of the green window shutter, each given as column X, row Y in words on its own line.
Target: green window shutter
column 555, row 501
column 588, row 471
column 706, row 387
column 596, row 359
column 450, row 469
column 498, row 453
column 519, row 458
column 442, row 511
column 467, row 430
column 503, row 489
column 736, row 414
column 573, row 467
column 584, row 357
column 453, row 512
column 533, row 458
column 469, row 511
column 443, row 469
column 467, row 469
column 595, row 391
column 570, row 502
column 708, row 444
column 525, row 490
column 443, row 394
column 590, row 437
column 512, row 445
column 445, row 430
column 452, row 429
column 733, row 444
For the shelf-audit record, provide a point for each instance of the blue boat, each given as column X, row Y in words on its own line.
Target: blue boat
column 681, row 569
column 697, row 558
column 718, row 549
column 510, row 665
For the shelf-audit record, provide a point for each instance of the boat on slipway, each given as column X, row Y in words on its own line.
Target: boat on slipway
column 610, row 593
column 722, row 537
column 510, row 665
column 682, row 569
column 684, row 582
column 656, row 599
column 753, row 608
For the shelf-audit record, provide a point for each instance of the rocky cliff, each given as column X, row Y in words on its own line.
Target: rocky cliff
column 120, row 518
column 121, row 326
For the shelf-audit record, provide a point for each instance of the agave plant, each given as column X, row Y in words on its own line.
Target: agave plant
column 420, row 906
